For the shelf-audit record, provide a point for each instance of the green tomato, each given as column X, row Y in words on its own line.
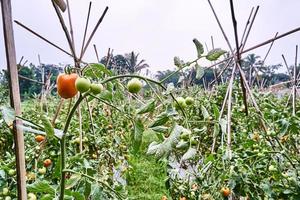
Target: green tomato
column 185, row 135
column 5, row 191
column 11, row 172
column 7, row 198
column 42, row 170
column 31, row 196
column 96, row 88
column 272, row 168
column 82, row 84
column 189, row 101
column 181, row 102
column 134, row 85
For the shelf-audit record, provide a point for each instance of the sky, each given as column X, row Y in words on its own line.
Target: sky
column 156, row 29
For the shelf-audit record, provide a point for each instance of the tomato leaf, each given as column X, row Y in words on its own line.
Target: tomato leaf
column 138, row 135
column 41, row 187
column 96, row 70
column 47, row 126
column 74, row 179
column 160, row 120
column 214, row 54
column 9, row 115
column 149, row 107
column 190, row 154
column 199, row 47
column 204, row 112
column 199, row 71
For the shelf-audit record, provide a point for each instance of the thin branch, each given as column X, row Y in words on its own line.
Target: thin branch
column 65, row 29
column 246, row 26
column 96, row 52
column 250, row 27
column 295, row 82
column 238, row 61
column 93, row 32
column 86, row 27
column 29, row 79
column 259, row 45
column 287, row 67
column 41, row 37
column 70, row 24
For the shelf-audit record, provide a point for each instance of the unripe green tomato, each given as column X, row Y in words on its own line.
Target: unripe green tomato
column 96, row 88
column 272, row 168
column 260, row 154
column 82, row 84
column 11, row 172
column 185, row 135
column 193, row 141
column 134, row 85
column 7, row 198
column 42, row 170
column 5, row 191
column 31, row 196
column 181, row 102
column 77, row 140
column 189, row 101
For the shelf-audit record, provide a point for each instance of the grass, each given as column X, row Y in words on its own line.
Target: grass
column 146, row 178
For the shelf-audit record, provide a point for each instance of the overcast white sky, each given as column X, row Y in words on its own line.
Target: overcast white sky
column 157, row 29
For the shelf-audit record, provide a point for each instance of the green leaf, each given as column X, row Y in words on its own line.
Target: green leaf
column 9, row 115
column 163, row 149
column 49, row 129
column 74, row 179
column 138, row 135
column 177, row 62
column 161, row 129
column 78, row 196
column 106, row 95
column 216, row 111
column 215, row 54
column 41, row 187
column 204, row 112
column 223, row 124
column 97, row 192
column 47, row 197
column 190, row 154
column 96, row 70
column 160, row 120
column 199, row 71
column 87, row 188
column 149, row 107
column 216, row 129
column 199, row 47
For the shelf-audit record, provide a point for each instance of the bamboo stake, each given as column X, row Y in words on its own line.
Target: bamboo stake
column 93, row 32
column 15, row 100
column 295, row 82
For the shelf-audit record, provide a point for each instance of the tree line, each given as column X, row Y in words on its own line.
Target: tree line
column 32, row 78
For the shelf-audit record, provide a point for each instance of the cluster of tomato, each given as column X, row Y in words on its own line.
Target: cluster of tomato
column 68, row 85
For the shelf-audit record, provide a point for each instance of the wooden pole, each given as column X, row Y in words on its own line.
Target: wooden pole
column 14, row 95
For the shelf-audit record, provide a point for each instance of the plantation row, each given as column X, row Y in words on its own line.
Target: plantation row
column 127, row 119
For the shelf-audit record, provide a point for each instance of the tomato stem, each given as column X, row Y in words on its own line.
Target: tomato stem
column 63, row 146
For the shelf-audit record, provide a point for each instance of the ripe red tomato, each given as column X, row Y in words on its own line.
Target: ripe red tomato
column 225, row 191
column 66, row 85
column 39, row 138
column 47, row 162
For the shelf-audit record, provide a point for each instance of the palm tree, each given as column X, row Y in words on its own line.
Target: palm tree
column 133, row 65
column 250, row 61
